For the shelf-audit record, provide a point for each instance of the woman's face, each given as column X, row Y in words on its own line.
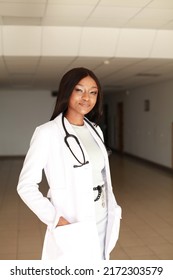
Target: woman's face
column 83, row 98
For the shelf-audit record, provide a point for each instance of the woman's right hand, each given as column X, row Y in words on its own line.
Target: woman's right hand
column 62, row 222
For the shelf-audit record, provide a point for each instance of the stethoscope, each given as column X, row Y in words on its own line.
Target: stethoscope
column 84, row 162
column 66, row 140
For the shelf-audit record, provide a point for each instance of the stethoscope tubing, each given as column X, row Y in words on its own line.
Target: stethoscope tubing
column 67, row 136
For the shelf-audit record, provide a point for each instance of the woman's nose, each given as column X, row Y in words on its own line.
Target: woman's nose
column 85, row 95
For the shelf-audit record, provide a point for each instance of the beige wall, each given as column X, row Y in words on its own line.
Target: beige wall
column 20, row 112
column 146, row 134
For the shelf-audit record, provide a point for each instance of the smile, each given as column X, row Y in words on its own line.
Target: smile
column 84, row 105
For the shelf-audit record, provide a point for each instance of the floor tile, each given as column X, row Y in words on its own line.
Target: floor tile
column 144, row 192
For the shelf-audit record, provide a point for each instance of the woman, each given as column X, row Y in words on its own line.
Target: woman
column 80, row 212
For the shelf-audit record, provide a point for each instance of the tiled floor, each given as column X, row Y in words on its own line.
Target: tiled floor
column 144, row 192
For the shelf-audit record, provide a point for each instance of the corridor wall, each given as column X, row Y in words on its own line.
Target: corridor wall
column 20, row 112
column 146, row 134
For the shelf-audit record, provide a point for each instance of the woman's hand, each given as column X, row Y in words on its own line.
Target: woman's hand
column 62, row 222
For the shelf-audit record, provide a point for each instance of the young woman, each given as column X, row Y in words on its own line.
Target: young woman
column 80, row 211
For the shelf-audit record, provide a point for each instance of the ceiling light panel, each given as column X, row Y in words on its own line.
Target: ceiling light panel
column 22, row 40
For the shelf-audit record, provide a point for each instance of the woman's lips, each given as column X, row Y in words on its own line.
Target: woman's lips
column 85, row 105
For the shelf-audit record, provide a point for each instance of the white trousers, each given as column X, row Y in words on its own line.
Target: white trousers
column 101, row 221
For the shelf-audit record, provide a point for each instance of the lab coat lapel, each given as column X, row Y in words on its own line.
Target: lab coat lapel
column 97, row 139
column 73, row 145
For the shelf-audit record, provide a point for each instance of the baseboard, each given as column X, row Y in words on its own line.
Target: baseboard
column 144, row 161
column 12, row 157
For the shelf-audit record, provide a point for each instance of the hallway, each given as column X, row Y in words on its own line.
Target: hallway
column 145, row 193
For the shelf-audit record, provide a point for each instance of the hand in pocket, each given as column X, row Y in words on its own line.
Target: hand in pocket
column 62, row 222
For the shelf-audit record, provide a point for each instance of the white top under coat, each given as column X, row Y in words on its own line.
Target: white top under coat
column 96, row 159
column 93, row 150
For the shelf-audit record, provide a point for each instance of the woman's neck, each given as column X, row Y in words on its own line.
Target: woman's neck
column 76, row 120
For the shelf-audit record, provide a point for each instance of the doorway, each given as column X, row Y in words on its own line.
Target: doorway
column 172, row 145
column 120, row 127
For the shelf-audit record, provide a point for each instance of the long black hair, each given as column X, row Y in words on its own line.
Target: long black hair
column 67, row 85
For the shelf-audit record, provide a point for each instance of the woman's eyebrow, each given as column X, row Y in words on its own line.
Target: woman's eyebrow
column 84, row 85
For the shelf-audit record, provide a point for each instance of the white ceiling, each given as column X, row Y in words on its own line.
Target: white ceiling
column 127, row 43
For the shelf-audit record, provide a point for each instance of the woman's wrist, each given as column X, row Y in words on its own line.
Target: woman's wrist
column 62, row 222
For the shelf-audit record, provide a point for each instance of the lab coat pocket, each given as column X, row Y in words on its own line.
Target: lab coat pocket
column 118, row 216
column 115, row 227
column 78, row 241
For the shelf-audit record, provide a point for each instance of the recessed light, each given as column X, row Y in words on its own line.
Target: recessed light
column 106, row 62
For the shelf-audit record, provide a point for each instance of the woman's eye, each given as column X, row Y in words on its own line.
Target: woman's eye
column 93, row 92
column 78, row 90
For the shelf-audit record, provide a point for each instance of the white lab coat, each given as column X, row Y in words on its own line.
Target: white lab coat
column 70, row 194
